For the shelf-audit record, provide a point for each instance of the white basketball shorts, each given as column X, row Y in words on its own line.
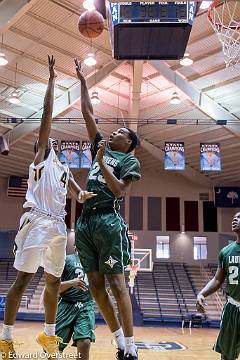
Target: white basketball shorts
column 40, row 241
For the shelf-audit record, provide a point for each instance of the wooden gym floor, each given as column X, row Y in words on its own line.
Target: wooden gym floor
column 198, row 344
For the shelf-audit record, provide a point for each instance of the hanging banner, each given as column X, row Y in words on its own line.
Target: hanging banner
column 210, row 157
column 70, row 153
column 86, row 155
column 174, row 156
column 227, row 196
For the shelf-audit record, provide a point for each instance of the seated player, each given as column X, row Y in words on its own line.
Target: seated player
column 76, row 309
column 228, row 341
column 101, row 233
column 41, row 239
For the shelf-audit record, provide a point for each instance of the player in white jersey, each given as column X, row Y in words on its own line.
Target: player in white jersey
column 41, row 239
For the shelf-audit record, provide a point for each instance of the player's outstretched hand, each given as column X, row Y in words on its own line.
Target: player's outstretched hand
column 79, row 70
column 79, row 284
column 85, row 195
column 51, row 66
column 200, row 304
column 101, row 150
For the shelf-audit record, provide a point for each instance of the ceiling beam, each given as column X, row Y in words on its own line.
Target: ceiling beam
column 136, row 91
column 70, row 33
column 189, row 173
column 11, row 11
column 201, row 100
column 63, row 102
column 25, row 55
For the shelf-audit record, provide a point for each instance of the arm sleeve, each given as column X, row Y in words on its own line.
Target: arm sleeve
column 130, row 168
column 94, row 147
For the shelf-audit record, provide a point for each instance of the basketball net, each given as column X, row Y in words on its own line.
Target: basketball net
column 223, row 15
column 133, row 269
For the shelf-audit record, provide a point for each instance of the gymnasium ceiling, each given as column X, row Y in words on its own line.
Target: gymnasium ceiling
column 139, row 90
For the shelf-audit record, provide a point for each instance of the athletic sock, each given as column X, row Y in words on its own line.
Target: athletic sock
column 49, row 329
column 7, row 332
column 119, row 337
column 130, row 346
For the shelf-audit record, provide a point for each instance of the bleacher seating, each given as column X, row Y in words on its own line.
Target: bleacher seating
column 168, row 293
column 7, row 277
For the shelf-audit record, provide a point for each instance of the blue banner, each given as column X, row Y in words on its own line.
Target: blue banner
column 86, row 155
column 210, row 157
column 2, row 302
column 70, row 153
column 174, row 156
column 227, row 197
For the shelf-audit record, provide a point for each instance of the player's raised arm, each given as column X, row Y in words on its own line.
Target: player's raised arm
column 87, row 108
column 46, row 121
column 212, row 286
column 79, row 194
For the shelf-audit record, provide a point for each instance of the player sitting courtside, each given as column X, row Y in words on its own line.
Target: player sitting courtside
column 101, row 233
column 228, row 341
column 76, row 309
column 41, row 239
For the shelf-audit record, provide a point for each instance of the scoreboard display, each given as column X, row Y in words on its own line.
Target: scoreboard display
column 150, row 30
column 161, row 11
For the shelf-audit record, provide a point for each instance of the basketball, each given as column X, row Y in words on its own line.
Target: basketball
column 91, row 24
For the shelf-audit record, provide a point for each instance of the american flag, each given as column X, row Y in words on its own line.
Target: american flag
column 17, row 186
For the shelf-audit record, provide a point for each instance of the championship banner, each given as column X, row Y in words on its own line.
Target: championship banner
column 174, row 156
column 227, row 197
column 210, row 157
column 70, row 153
column 86, row 155
column 2, row 302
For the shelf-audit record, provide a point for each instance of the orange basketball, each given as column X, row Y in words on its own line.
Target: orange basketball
column 91, row 24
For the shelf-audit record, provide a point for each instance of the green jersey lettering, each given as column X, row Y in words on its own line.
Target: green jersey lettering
column 120, row 164
column 73, row 269
column 229, row 260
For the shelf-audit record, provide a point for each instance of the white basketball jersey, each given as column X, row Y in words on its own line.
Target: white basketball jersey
column 47, row 185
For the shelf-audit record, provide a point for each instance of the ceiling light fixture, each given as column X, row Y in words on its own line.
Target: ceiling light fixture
column 90, row 60
column 95, row 98
column 175, row 100
column 89, row 5
column 14, row 99
column 3, row 60
column 186, row 60
column 205, row 4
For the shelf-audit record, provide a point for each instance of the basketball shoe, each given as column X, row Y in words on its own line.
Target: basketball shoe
column 7, row 350
column 120, row 354
column 50, row 344
column 130, row 357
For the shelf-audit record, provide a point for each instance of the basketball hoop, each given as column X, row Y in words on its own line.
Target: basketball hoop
column 223, row 15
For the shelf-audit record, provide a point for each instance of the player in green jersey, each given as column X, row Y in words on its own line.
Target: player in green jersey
column 76, row 310
column 101, row 233
column 228, row 341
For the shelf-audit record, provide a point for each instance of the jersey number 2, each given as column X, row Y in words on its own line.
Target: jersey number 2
column 233, row 275
column 94, row 173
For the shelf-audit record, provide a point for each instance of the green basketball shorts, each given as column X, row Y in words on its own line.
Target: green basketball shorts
column 76, row 321
column 103, row 243
column 228, row 341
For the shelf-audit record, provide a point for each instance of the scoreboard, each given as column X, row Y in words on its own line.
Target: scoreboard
column 147, row 12
column 139, row 23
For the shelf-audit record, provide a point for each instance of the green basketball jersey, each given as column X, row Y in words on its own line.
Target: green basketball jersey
column 72, row 270
column 229, row 260
column 121, row 164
